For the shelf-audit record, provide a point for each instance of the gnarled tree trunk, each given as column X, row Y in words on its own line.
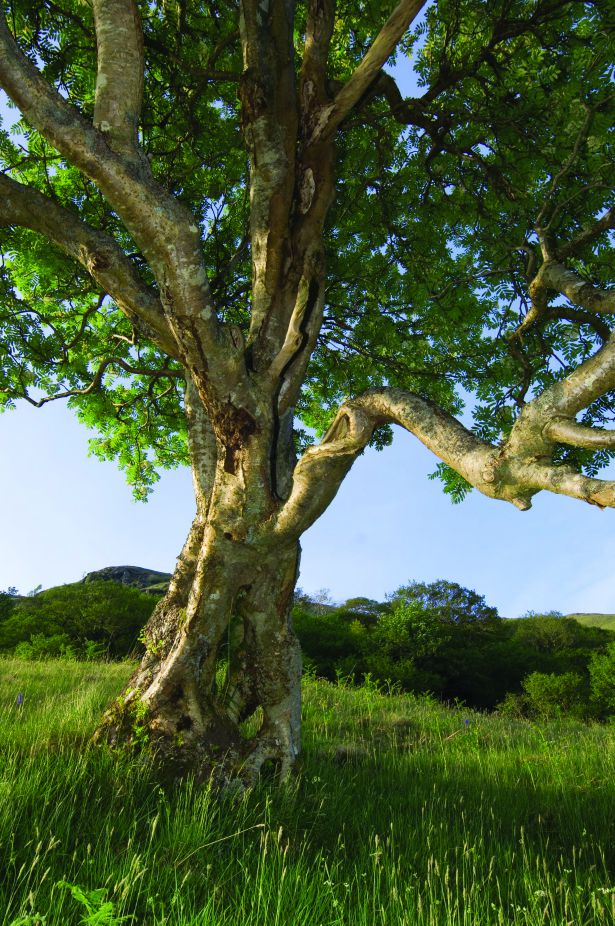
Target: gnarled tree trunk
column 220, row 648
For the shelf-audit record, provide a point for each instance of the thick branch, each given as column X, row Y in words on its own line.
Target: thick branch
column 322, row 468
column 164, row 230
column 567, row 431
column 592, row 379
column 556, row 276
column 513, row 471
column 119, row 82
column 379, row 52
column 269, row 120
column 318, row 33
column 97, row 252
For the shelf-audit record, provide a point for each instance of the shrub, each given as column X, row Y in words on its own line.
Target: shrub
column 548, row 695
column 107, row 614
column 602, row 680
column 40, row 646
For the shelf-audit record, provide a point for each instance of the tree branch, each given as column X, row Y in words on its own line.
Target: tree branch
column 588, row 235
column 269, row 118
column 580, row 317
column 164, row 230
column 318, row 33
column 98, row 378
column 367, row 71
column 567, row 431
column 97, row 252
column 513, row 471
column 119, row 81
column 556, row 276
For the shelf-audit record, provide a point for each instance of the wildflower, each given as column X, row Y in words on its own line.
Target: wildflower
column 467, row 723
column 19, row 699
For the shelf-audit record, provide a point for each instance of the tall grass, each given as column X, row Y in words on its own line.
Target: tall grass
column 404, row 813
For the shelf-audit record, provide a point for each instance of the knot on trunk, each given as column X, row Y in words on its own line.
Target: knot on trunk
column 234, row 426
column 252, row 96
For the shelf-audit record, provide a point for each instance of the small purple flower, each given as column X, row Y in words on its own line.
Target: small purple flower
column 19, row 699
column 467, row 723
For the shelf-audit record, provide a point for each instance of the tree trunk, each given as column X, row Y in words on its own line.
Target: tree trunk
column 218, row 689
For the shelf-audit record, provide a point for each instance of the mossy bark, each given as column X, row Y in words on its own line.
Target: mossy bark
column 220, row 646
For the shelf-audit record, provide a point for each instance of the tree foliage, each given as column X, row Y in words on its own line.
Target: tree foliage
column 431, row 243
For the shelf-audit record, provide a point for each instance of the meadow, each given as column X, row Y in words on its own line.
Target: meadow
column 404, row 813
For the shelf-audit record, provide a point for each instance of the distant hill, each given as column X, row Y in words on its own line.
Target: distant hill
column 606, row 621
column 147, row 580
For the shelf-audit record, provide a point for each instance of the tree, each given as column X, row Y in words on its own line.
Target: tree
column 106, row 613
column 219, row 219
column 445, row 602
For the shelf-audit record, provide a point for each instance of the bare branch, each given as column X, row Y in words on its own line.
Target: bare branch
column 321, row 470
column 554, row 276
column 97, row 252
column 97, row 381
column 269, row 118
column 119, row 82
column 566, row 398
column 567, row 431
column 367, row 71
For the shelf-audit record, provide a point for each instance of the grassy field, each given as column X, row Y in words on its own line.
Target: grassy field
column 405, row 813
column 607, row 621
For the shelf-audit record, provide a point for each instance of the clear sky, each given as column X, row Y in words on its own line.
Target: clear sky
column 64, row 514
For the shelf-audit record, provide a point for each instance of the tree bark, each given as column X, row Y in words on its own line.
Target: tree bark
column 220, row 647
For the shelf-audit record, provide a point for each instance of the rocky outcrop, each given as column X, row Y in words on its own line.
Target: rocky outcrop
column 148, row 580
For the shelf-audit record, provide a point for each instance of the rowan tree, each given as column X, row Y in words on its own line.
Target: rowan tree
column 229, row 239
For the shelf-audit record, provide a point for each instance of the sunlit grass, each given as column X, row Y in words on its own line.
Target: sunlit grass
column 402, row 814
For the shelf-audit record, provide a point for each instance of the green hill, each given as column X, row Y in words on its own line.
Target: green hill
column 606, row 621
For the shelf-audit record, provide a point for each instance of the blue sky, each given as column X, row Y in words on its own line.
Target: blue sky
column 65, row 514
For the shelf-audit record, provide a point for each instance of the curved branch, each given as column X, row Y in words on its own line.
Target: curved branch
column 119, row 81
column 164, row 230
column 513, row 471
column 580, row 317
column 320, row 471
column 97, row 252
column 554, row 276
column 98, row 378
column 567, row 431
column 368, row 69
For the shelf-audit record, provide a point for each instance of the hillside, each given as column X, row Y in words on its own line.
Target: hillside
column 606, row 621
column 147, row 580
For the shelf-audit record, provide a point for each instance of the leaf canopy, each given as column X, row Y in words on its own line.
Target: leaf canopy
column 441, row 199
